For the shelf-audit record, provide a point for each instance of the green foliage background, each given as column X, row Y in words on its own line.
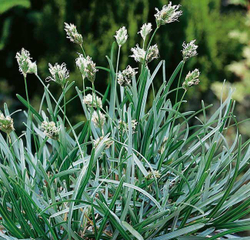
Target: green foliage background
column 38, row 26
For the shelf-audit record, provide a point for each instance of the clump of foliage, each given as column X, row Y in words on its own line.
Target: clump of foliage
column 133, row 169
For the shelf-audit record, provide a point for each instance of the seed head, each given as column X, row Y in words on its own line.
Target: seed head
column 86, row 67
column 124, row 78
column 24, row 62
column 145, row 30
column 155, row 173
column 191, row 79
column 189, row 50
column 33, row 68
column 168, row 14
column 92, row 101
column 6, row 123
column 108, row 142
column 123, row 126
column 72, row 33
column 121, row 36
column 134, row 124
column 59, row 73
column 98, row 119
column 50, row 129
column 153, row 53
column 139, row 53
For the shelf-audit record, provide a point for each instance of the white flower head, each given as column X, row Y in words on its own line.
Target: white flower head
column 98, row 119
column 92, row 101
column 33, row 68
column 72, row 33
column 139, row 54
column 24, row 62
column 124, row 78
column 134, row 124
column 108, row 142
column 189, row 50
column 87, row 67
column 6, row 123
column 50, row 129
column 145, row 30
column 155, row 173
column 153, row 53
column 123, row 126
column 59, row 73
column 191, row 79
column 121, row 36
column 168, row 14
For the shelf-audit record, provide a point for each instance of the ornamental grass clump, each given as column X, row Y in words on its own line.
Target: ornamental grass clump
column 134, row 169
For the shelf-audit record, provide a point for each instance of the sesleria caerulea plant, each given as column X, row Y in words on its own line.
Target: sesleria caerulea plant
column 134, row 169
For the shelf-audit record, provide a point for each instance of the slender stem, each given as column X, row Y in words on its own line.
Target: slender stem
column 95, row 103
column 83, row 86
column 151, row 39
column 148, row 46
column 114, row 100
column 93, row 92
column 118, row 59
column 84, row 54
column 116, row 72
column 64, row 106
column 83, row 79
column 26, row 91
column 94, row 98
column 178, row 85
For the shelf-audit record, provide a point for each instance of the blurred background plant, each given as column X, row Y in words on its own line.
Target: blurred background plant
column 240, row 70
column 38, row 26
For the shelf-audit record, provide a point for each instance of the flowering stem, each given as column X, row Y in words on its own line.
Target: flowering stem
column 26, row 91
column 149, row 43
column 93, row 91
column 84, row 54
column 116, row 72
column 151, row 39
column 143, row 45
column 178, row 85
column 94, row 100
column 114, row 98
column 64, row 106
column 83, row 86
